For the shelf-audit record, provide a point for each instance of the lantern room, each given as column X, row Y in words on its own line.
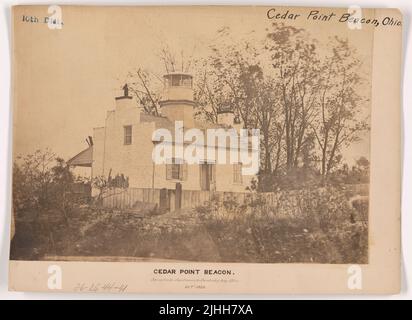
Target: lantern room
column 178, row 86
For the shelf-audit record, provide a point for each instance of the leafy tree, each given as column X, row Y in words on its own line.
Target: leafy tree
column 32, row 179
column 304, row 96
column 340, row 105
column 295, row 67
column 61, row 188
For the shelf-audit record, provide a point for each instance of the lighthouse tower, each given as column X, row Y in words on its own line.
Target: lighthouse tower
column 177, row 98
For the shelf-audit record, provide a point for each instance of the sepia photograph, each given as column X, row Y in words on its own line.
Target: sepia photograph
column 204, row 149
column 232, row 141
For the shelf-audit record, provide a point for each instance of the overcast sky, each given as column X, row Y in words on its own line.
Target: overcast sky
column 66, row 80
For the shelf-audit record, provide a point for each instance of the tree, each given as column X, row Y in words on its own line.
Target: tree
column 42, row 182
column 32, row 180
column 234, row 76
column 340, row 116
column 304, row 96
column 142, row 85
column 61, row 188
column 295, row 66
column 307, row 105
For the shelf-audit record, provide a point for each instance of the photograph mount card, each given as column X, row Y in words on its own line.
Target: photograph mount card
column 206, row 149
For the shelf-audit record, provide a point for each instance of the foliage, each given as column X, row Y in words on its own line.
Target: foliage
column 42, row 181
column 301, row 226
column 105, row 186
column 320, row 229
column 42, row 184
column 306, row 99
column 359, row 173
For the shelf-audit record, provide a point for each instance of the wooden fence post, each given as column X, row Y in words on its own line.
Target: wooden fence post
column 178, row 196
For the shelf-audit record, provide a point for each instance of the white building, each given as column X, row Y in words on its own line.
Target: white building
column 125, row 144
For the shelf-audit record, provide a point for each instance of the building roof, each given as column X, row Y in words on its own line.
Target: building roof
column 163, row 122
column 226, row 109
column 160, row 121
column 82, row 159
column 179, row 73
column 85, row 157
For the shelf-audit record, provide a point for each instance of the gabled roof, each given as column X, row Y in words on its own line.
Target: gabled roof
column 82, row 159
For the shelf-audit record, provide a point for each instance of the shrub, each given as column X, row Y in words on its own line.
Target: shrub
column 319, row 230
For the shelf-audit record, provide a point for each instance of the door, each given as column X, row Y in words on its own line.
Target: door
column 204, row 177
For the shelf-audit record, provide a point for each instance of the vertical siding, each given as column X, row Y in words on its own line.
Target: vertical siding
column 127, row 198
column 285, row 201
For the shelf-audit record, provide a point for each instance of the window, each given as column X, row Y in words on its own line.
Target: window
column 237, row 173
column 179, row 80
column 176, row 80
column 187, row 82
column 176, row 170
column 127, row 134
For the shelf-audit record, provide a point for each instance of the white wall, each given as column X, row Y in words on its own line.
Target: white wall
column 135, row 160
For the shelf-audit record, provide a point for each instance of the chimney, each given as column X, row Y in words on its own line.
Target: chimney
column 125, row 101
column 226, row 117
